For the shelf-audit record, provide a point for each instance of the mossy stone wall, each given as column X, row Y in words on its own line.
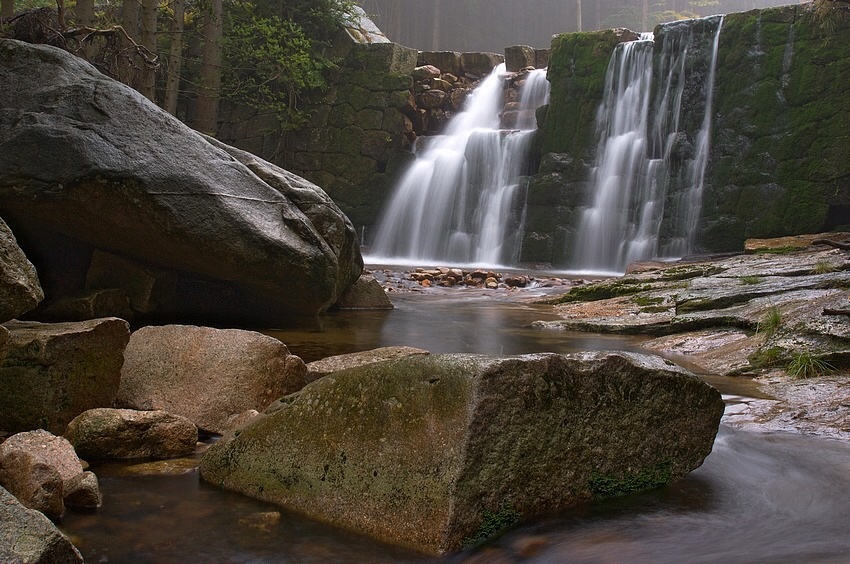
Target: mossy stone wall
column 778, row 163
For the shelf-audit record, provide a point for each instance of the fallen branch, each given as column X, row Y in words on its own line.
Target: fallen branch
column 829, row 311
column 830, row 243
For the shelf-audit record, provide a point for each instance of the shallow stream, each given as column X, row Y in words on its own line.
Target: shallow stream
column 758, row 498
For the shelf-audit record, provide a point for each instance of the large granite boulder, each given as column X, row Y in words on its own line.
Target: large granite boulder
column 54, row 371
column 27, row 536
column 418, row 451
column 206, row 375
column 127, row 433
column 36, row 467
column 90, row 160
column 20, row 290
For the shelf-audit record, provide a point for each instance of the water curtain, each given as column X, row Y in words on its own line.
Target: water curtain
column 639, row 205
column 461, row 201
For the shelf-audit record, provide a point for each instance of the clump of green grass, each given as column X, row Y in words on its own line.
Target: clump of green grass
column 805, row 365
column 766, row 358
column 770, row 322
column 778, row 250
column 750, row 280
column 824, row 267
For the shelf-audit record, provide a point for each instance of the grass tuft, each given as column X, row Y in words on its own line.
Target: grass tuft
column 806, row 365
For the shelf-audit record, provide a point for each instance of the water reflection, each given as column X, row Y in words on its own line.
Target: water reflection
column 443, row 324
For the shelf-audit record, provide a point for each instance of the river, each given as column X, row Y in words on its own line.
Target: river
column 759, row 497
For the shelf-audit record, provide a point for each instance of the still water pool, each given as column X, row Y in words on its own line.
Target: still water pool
column 758, row 497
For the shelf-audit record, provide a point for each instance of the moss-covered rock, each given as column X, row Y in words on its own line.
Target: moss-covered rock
column 55, row 371
column 418, row 451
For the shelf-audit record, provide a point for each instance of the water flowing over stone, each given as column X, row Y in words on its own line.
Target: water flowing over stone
column 461, row 201
column 639, row 130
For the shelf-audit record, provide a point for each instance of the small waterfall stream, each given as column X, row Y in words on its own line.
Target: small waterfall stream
column 461, row 202
column 630, row 184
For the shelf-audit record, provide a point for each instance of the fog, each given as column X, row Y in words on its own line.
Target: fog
column 492, row 25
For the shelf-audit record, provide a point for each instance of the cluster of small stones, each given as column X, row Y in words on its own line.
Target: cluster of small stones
column 449, row 277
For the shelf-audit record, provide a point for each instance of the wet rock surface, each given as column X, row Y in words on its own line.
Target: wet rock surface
column 466, row 436
column 780, row 316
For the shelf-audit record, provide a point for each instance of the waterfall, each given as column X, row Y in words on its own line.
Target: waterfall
column 461, row 202
column 630, row 183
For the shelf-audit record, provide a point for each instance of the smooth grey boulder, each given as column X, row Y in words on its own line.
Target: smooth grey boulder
column 55, row 371
column 128, row 433
column 37, row 467
column 206, row 375
column 20, row 290
column 27, row 536
column 90, row 159
column 417, row 451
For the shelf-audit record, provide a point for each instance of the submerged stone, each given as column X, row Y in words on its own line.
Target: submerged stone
column 419, row 451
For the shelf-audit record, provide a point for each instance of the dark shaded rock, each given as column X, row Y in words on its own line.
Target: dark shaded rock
column 519, row 57
column 479, row 64
column 206, row 375
column 109, row 302
column 53, row 372
column 127, row 433
column 366, row 293
column 426, row 72
column 149, row 289
column 27, row 536
column 94, row 161
column 446, row 61
column 431, row 99
column 20, row 290
column 319, row 368
column 415, row 451
column 83, row 492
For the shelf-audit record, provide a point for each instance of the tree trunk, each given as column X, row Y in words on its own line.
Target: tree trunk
column 147, row 37
column 130, row 18
column 435, row 36
column 206, row 118
column 84, row 13
column 175, row 58
column 645, row 16
column 7, row 8
column 578, row 15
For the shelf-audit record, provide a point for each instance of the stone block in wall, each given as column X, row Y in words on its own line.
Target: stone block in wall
column 394, row 121
column 360, row 98
column 319, row 115
column 307, row 161
column 480, row 64
column 264, row 123
column 253, row 145
column 336, row 163
column 431, row 99
column 390, row 58
column 341, row 115
column 350, row 139
column 446, row 61
column 518, row 57
column 541, row 58
column 397, row 82
column 369, row 119
column 376, row 143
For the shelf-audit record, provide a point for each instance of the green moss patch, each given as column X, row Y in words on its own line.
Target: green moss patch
column 493, row 523
column 604, row 487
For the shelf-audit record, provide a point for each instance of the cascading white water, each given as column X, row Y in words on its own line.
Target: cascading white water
column 459, row 202
column 629, row 184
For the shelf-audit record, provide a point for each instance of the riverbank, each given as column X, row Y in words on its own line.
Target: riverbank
column 776, row 317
